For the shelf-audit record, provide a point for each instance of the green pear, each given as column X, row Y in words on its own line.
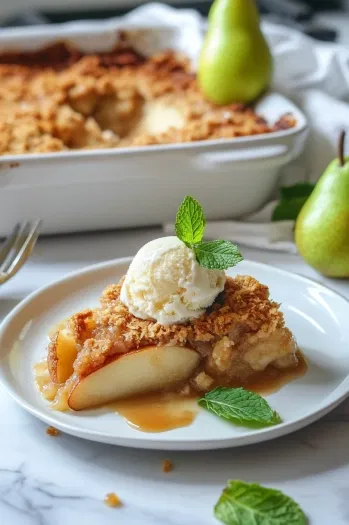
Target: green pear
column 322, row 227
column 235, row 62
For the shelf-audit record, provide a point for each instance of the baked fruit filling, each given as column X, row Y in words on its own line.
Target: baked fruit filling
column 100, row 355
column 58, row 98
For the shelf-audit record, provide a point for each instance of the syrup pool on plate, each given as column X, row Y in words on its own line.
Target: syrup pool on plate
column 272, row 378
column 162, row 412
column 157, row 412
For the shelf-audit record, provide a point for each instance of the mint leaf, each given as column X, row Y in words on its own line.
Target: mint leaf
column 217, row 255
column 244, row 503
column 301, row 189
column 292, row 201
column 190, row 221
column 238, row 405
column 288, row 210
column 190, row 227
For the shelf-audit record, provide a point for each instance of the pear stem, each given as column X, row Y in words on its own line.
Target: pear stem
column 341, row 148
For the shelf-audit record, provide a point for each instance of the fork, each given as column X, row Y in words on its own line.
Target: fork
column 17, row 248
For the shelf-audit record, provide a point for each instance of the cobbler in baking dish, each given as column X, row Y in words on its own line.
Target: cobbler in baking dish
column 60, row 99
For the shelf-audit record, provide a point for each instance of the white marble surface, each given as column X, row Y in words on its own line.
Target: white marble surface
column 63, row 480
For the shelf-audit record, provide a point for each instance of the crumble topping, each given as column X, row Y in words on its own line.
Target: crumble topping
column 60, row 99
column 243, row 313
column 245, row 301
column 203, row 382
column 82, row 324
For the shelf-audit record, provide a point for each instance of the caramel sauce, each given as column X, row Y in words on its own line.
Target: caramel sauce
column 43, row 381
column 267, row 381
column 272, row 378
column 157, row 413
column 56, row 394
column 166, row 411
column 162, row 412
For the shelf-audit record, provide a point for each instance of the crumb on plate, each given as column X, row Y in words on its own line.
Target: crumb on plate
column 167, row 466
column 112, row 500
column 52, row 431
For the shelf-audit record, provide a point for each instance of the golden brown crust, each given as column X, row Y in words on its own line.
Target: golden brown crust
column 94, row 354
column 82, row 325
column 246, row 314
column 63, row 100
column 246, row 304
column 238, row 336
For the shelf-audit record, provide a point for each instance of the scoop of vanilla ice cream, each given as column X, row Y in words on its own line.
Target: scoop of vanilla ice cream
column 166, row 283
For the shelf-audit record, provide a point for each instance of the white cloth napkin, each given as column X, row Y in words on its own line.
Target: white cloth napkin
column 316, row 76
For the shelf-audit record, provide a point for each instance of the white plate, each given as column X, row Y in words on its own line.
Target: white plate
column 317, row 316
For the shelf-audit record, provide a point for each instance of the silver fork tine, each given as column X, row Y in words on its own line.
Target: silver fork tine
column 9, row 241
column 26, row 248
column 15, row 247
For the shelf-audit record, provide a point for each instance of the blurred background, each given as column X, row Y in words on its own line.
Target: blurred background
column 325, row 20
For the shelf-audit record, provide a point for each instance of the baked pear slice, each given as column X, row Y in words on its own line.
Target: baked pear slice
column 62, row 352
column 149, row 369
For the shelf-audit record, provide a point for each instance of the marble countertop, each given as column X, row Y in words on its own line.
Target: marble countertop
column 63, row 480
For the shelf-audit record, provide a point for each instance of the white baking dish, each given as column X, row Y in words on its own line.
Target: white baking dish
column 117, row 188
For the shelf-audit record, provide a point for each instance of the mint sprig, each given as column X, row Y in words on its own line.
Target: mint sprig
column 244, row 503
column 217, row 254
column 190, row 221
column 241, row 406
column 292, row 200
column 190, row 228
